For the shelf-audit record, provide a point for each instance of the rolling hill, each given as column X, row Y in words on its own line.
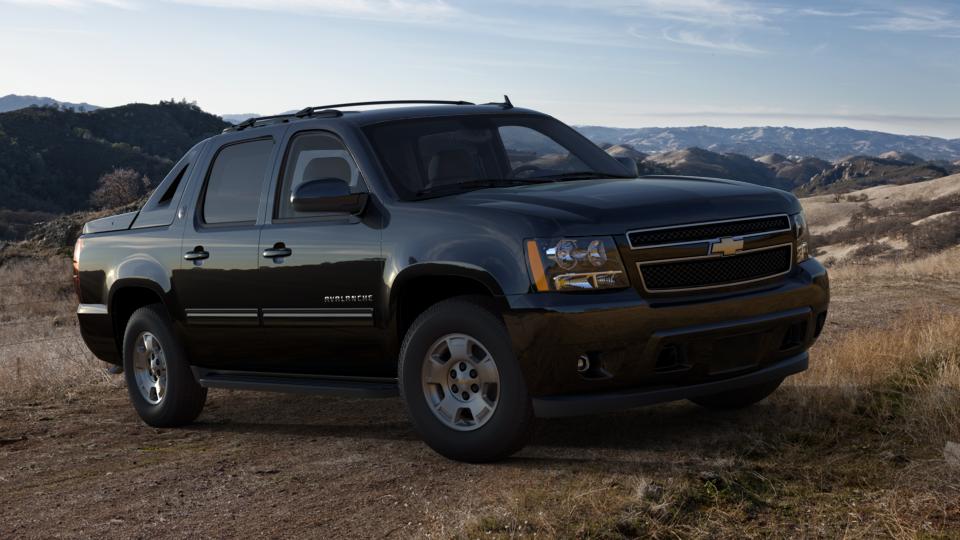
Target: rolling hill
column 892, row 222
column 50, row 159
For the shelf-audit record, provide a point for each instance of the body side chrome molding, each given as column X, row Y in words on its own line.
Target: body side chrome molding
column 318, row 313
column 224, row 313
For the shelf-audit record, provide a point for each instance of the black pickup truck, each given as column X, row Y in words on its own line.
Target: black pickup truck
column 486, row 262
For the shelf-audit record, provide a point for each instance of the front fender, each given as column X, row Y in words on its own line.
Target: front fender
column 442, row 269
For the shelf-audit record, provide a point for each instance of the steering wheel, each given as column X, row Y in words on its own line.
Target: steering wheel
column 523, row 169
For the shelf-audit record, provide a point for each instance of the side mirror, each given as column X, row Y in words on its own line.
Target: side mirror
column 327, row 195
column 630, row 165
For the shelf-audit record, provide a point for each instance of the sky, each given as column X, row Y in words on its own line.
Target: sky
column 881, row 65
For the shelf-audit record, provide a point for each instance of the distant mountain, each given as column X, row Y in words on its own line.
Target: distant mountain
column 825, row 143
column 794, row 172
column 700, row 162
column 803, row 176
column 13, row 102
column 237, row 118
column 51, row 159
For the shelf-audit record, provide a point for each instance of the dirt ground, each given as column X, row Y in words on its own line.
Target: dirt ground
column 80, row 464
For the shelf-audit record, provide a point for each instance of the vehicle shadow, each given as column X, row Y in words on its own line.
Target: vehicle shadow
column 794, row 413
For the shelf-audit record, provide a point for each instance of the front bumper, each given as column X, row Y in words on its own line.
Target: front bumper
column 580, row 404
column 663, row 349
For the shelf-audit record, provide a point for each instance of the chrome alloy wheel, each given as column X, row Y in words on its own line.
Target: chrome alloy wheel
column 150, row 368
column 460, row 382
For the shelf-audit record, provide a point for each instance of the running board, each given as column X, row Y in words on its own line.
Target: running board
column 343, row 387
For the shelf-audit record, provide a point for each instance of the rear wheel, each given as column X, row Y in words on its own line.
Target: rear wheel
column 462, row 385
column 159, row 380
column 738, row 399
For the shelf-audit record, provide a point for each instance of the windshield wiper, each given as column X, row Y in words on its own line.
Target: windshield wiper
column 479, row 184
column 581, row 175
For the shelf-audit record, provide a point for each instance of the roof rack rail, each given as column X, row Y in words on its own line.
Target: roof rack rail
column 331, row 110
column 310, row 111
column 268, row 120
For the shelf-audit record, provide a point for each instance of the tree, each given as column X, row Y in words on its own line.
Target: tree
column 119, row 187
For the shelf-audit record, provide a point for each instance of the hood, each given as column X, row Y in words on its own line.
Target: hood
column 616, row 205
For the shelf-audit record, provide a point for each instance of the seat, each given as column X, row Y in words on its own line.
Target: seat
column 451, row 166
column 326, row 167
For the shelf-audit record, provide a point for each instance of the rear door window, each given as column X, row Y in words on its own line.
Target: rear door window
column 235, row 181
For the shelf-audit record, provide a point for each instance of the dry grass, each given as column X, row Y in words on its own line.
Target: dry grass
column 41, row 352
column 944, row 265
column 853, row 447
column 904, row 377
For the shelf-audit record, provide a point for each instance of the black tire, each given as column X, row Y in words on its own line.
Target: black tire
column 508, row 427
column 183, row 399
column 738, row 399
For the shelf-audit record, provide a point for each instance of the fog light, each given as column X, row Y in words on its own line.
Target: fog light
column 583, row 363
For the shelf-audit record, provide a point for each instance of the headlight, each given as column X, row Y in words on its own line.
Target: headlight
column 575, row 264
column 803, row 237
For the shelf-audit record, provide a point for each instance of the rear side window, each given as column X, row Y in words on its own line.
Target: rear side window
column 161, row 207
column 168, row 194
column 315, row 156
column 235, row 181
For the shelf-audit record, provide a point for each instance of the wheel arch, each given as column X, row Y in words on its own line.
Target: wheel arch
column 420, row 286
column 128, row 295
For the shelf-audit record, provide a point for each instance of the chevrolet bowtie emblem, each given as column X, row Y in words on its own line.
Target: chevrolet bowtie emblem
column 726, row 246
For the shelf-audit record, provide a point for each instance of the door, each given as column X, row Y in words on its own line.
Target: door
column 217, row 280
column 320, row 272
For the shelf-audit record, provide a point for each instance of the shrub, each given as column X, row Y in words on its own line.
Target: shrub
column 119, row 187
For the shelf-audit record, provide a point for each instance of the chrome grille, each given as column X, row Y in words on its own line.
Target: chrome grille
column 713, row 271
column 707, row 231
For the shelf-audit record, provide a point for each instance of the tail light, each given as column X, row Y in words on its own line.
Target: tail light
column 76, row 267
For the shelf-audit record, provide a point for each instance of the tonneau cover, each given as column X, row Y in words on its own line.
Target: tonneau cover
column 119, row 222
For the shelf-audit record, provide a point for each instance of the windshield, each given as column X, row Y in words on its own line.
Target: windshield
column 429, row 157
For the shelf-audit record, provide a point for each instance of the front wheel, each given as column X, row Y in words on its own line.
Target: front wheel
column 159, row 380
column 462, row 385
column 738, row 399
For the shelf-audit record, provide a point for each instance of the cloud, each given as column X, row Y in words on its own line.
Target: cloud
column 699, row 12
column 913, row 19
column 371, row 9
column 695, row 39
column 368, row 9
column 827, row 13
column 73, row 4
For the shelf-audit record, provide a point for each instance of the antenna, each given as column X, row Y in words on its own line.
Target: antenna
column 505, row 105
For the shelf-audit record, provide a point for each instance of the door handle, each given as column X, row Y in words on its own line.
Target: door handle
column 275, row 252
column 198, row 254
